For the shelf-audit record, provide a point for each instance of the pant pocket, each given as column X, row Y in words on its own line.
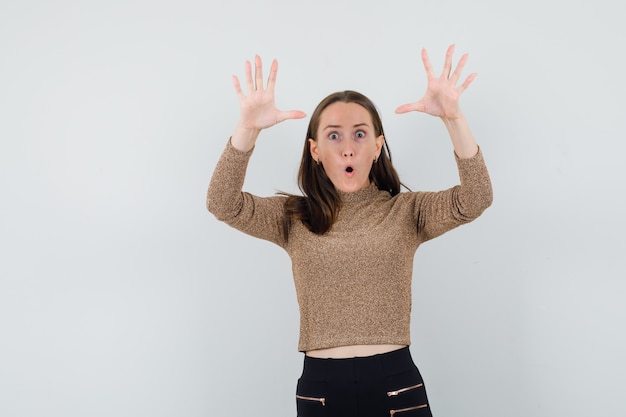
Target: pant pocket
column 406, row 396
column 311, row 398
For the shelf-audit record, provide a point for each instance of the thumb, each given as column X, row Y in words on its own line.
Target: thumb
column 291, row 114
column 409, row 107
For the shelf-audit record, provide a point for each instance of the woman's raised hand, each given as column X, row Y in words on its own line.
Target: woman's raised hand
column 442, row 94
column 257, row 108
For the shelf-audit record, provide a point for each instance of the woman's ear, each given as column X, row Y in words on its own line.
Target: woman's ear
column 313, row 148
column 380, row 141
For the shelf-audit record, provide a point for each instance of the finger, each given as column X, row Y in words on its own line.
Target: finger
column 458, row 69
column 271, row 80
column 447, row 66
column 427, row 65
column 467, row 82
column 258, row 72
column 249, row 83
column 237, row 86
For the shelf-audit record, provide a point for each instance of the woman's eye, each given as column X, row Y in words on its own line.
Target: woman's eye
column 333, row 136
column 360, row 134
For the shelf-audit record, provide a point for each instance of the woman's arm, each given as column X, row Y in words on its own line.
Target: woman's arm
column 257, row 216
column 438, row 212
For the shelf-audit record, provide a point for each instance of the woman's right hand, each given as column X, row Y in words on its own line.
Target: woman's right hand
column 257, row 109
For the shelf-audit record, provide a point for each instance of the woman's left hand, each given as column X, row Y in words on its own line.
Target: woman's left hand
column 442, row 94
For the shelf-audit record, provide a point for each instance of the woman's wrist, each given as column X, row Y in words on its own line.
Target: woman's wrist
column 243, row 138
column 462, row 138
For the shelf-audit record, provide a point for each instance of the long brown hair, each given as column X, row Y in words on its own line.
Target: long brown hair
column 318, row 208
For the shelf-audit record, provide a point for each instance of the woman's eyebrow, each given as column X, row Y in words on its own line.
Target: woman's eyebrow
column 338, row 126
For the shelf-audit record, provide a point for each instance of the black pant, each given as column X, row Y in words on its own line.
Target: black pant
column 388, row 384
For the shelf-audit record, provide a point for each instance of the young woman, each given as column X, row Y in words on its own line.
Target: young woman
column 352, row 237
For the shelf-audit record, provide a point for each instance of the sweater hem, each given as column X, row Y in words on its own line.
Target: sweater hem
column 382, row 340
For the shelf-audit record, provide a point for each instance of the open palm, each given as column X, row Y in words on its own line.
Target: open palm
column 258, row 109
column 442, row 95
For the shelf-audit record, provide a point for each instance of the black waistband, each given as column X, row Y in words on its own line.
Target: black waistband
column 368, row 367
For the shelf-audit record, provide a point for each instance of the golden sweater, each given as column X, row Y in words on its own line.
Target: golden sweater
column 353, row 283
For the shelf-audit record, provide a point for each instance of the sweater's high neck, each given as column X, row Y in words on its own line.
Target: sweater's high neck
column 363, row 194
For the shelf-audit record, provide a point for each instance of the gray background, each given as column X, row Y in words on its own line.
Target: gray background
column 121, row 296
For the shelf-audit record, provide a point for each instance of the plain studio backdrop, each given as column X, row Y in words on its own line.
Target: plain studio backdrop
column 120, row 295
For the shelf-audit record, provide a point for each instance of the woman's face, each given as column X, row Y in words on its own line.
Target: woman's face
column 346, row 145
